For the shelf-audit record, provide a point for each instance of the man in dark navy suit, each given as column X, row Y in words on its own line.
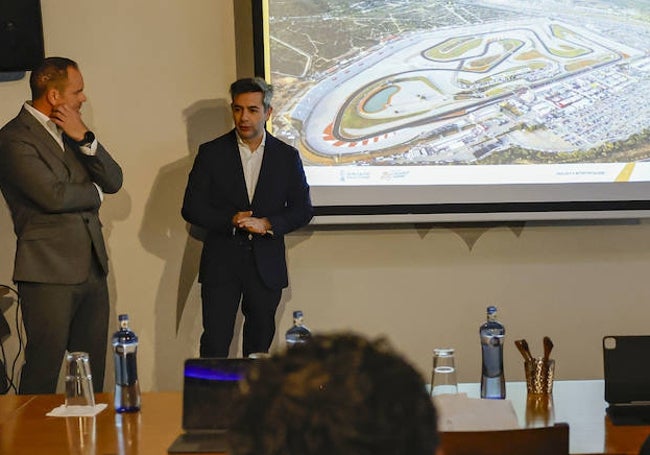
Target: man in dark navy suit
column 247, row 189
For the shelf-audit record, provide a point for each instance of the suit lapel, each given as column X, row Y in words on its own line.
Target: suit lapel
column 241, row 193
column 49, row 149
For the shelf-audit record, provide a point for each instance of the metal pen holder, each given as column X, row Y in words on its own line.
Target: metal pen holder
column 539, row 376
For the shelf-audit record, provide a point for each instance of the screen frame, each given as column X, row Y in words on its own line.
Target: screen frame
column 463, row 203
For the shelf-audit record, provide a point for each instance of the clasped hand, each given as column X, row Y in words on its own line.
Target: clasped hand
column 245, row 220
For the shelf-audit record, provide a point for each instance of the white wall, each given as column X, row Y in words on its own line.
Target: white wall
column 157, row 75
column 426, row 288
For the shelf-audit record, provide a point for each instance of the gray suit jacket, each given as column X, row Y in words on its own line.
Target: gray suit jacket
column 53, row 202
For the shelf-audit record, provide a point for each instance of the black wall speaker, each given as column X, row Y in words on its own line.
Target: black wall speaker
column 21, row 35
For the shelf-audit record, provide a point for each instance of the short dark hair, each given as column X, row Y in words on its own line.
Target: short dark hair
column 338, row 394
column 253, row 85
column 51, row 73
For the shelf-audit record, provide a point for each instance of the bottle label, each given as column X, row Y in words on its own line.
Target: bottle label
column 125, row 348
column 492, row 340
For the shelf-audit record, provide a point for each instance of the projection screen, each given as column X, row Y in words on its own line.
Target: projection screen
column 443, row 110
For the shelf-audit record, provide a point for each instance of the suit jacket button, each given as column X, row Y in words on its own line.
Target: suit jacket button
column 250, row 236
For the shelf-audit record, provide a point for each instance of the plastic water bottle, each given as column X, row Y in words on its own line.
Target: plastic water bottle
column 298, row 334
column 127, row 388
column 493, row 382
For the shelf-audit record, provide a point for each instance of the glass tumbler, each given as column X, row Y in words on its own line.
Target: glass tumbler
column 443, row 376
column 78, row 380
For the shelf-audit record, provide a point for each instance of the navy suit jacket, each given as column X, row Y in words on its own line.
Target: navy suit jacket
column 216, row 191
column 54, row 204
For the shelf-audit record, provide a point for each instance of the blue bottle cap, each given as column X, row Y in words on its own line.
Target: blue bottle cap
column 123, row 317
column 297, row 314
column 491, row 309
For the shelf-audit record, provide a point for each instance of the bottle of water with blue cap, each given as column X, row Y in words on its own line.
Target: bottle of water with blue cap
column 493, row 382
column 299, row 333
column 125, row 347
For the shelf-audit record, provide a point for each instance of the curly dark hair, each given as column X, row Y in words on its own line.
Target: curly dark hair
column 338, row 394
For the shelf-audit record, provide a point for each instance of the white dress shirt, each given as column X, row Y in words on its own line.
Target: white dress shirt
column 251, row 161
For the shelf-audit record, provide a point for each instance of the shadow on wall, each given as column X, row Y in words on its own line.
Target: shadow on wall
column 165, row 234
column 7, row 244
column 8, row 306
column 116, row 207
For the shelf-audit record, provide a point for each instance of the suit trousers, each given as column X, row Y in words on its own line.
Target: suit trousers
column 60, row 318
column 220, row 302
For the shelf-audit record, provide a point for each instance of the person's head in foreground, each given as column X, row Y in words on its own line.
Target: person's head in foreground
column 338, row 394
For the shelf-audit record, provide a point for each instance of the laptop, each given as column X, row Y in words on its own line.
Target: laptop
column 627, row 379
column 210, row 392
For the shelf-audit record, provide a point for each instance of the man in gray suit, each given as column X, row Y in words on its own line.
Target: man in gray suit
column 54, row 175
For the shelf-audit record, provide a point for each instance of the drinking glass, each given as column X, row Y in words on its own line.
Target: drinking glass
column 78, row 380
column 443, row 376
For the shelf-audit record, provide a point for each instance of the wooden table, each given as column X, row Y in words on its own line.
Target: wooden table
column 11, row 403
column 25, row 429
column 582, row 405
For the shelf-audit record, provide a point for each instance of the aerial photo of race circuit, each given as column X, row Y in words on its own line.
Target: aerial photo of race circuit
column 439, row 82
